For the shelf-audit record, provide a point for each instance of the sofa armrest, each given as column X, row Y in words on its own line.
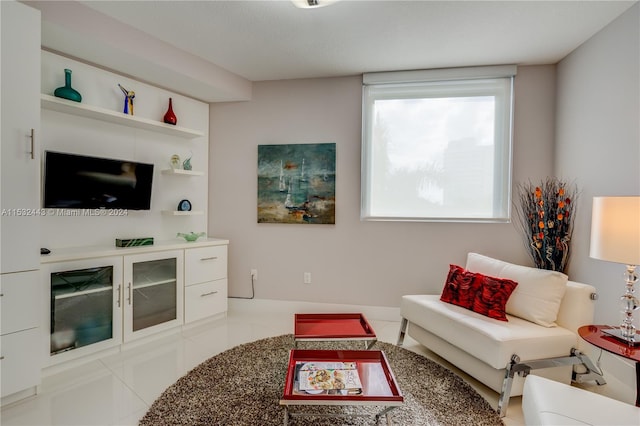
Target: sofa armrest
column 577, row 307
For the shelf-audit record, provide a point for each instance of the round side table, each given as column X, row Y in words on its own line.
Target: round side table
column 594, row 335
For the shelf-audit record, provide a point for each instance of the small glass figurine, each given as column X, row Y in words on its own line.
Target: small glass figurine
column 128, row 100
column 186, row 164
column 175, row 161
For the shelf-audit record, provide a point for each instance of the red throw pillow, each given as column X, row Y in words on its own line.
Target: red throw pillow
column 460, row 288
column 492, row 297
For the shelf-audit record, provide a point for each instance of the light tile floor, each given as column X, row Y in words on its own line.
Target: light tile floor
column 118, row 389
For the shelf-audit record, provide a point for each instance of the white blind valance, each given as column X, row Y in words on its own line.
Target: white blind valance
column 440, row 74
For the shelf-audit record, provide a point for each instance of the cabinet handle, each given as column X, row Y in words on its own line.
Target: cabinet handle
column 118, row 295
column 208, row 294
column 33, row 144
column 1, row 294
column 209, row 258
column 129, row 291
column 1, row 358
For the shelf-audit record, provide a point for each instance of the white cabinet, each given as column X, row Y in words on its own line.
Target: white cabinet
column 20, row 361
column 19, row 301
column 20, row 172
column 153, row 292
column 103, row 297
column 205, row 282
column 83, row 308
column 20, row 340
column 19, row 196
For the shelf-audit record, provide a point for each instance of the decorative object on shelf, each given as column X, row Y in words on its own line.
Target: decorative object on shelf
column 128, row 100
column 66, row 91
column 169, row 116
column 615, row 237
column 191, row 236
column 175, row 161
column 186, row 164
column 546, row 215
column 184, row 206
column 297, row 183
column 53, row 103
column 134, row 242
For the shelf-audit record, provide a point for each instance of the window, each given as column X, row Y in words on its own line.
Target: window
column 437, row 145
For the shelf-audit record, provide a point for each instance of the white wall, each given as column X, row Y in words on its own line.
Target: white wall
column 68, row 133
column 598, row 140
column 370, row 263
column 598, row 144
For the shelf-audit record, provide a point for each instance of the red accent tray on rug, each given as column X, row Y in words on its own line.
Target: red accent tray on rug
column 342, row 325
column 379, row 386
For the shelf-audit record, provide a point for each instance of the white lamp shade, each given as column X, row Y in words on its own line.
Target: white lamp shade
column 615, row 229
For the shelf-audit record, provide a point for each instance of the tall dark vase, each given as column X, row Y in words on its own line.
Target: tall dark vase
column 170, row 117
column 66, row 91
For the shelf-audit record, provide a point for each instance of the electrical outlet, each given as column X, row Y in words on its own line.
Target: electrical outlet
column 307, row 277
column 254, row 274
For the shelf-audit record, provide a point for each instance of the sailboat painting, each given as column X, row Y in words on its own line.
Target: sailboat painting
column 297, row 183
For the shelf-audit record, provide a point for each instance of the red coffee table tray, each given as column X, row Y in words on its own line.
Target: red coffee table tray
column 332, row 326
column 379, row 386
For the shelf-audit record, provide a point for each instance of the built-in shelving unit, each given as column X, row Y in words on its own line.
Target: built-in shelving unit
column 181, row 172
column 84, row 110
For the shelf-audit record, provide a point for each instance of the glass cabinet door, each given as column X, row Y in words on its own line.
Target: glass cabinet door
column 154, row 292
column 81, row 308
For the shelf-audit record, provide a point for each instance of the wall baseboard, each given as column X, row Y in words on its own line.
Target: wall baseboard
column 382, row 313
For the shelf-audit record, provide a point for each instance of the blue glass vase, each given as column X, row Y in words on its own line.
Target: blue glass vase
column 66, row 91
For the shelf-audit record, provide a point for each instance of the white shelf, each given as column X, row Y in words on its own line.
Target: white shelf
column 84, row 110
column 66, row 293
column 179, row 213
column 154, row 283
column 181, row 172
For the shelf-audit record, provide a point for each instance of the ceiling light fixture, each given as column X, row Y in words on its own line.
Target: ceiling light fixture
column 312, row 4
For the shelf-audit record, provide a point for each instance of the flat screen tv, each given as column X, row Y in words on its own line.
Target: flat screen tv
column 80, row 182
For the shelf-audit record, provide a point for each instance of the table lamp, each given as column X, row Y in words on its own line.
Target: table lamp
column 615, row 237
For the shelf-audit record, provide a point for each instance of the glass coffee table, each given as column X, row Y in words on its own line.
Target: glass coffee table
column 339, row 378
column 333, row 327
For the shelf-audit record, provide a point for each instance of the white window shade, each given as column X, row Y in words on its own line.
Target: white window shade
column 437, row 148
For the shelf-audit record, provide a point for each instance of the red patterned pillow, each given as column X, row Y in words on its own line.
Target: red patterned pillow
column 492, row 298
column 460, row 288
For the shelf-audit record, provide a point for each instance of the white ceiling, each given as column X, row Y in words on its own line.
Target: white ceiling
column 273, row 40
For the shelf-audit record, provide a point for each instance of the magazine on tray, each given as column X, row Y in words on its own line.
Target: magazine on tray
column 332, row 377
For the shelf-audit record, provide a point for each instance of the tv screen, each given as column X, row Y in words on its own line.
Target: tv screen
column 80, row 182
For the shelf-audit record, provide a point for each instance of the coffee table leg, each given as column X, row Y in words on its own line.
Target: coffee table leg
column 403, row 329
column 637, row 383
column 386, row 414
column 286, row 416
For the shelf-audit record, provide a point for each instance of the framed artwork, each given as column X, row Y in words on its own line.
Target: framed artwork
column 297, row 183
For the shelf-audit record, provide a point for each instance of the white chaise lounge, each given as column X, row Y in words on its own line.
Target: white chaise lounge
column 544, row 313
column 547, row 402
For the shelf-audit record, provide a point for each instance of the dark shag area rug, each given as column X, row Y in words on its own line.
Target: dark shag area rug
column 243, row 386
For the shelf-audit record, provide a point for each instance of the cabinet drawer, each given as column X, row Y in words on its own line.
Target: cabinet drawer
column 20, row 361
column 20, row 301
column 206, row 299
column 205, row 264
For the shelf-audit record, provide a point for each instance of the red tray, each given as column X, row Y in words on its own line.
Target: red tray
column 332, row 326
column 379, row 386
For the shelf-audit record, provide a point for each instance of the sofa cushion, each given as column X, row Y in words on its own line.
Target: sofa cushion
column 480, row 293
column 492, row 296
column 460, row 287
column 539, row 292
column 493, row 342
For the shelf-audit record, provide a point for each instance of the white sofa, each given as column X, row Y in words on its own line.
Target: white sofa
column 498, row 353
column 546, row 402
